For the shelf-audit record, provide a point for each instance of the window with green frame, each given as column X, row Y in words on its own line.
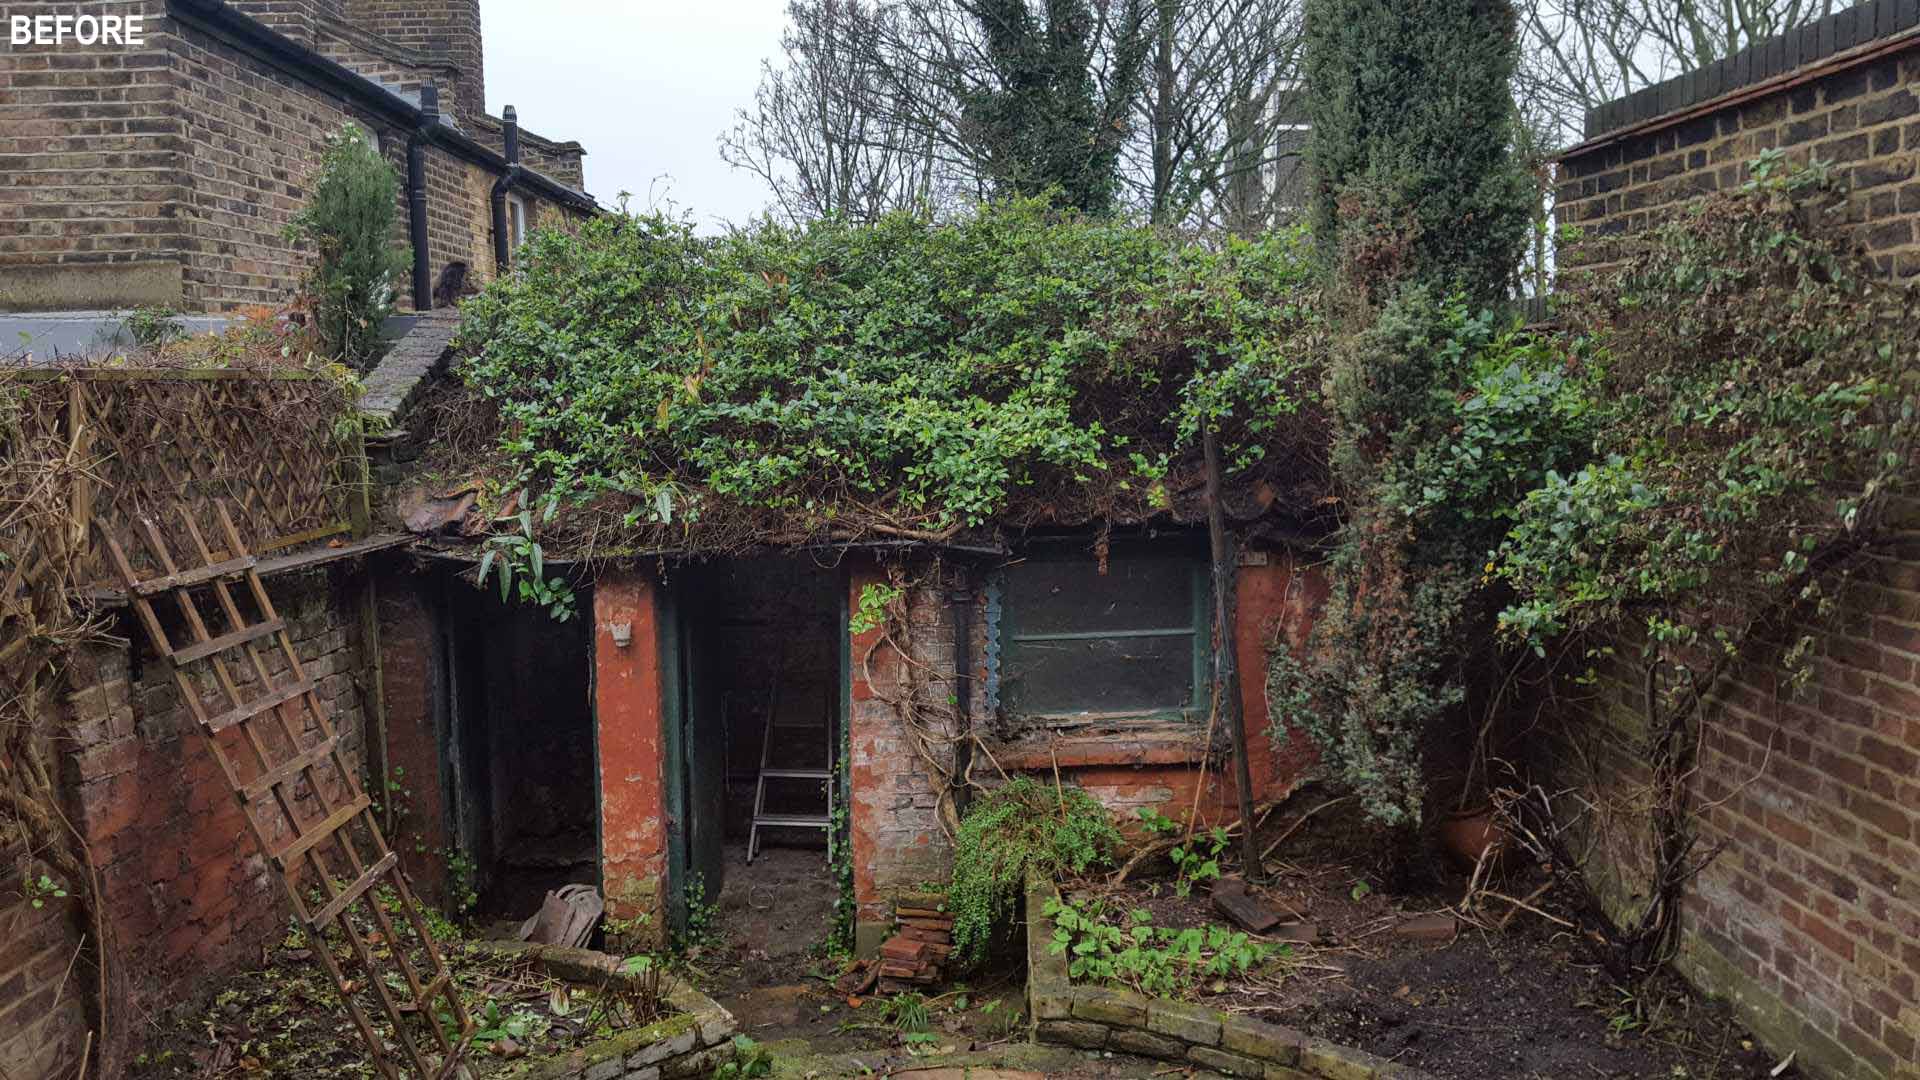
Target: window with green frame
column 1078, row 645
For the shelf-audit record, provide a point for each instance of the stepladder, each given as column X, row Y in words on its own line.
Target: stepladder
column 209, row 617
column 796, row 760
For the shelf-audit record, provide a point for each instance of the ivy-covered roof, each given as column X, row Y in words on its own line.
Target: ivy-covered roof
column 655, row 389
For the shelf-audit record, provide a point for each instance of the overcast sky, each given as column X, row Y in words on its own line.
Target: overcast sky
column 645, row 85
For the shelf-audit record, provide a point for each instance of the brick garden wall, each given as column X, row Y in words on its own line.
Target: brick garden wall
column 188, row 896
column 1809, row 919
column 1864, row 120
column 44, row 983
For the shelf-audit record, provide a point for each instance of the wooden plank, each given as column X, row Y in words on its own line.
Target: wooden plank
column 203, row 649
column 428, row 991
column 287, row 770
column 352, row 892
column 190, row 578
column 286, row 856
column 267, row 568
column 297, row 539
column 275, row 697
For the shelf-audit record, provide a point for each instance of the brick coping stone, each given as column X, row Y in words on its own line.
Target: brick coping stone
column 693, row 1041
column 1098, row 1018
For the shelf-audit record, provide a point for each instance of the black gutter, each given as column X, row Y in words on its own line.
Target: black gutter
column 261, row 42
column 960, row 602
column 417, row 204
column 510, row 139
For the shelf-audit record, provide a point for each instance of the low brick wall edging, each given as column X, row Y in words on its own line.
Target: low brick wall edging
column 691, row 1043
column 1096, row 1018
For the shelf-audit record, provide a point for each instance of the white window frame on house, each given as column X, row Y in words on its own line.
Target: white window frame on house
column 516, row 221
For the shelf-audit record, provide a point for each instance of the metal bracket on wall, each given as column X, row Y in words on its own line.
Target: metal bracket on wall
column 267, row 711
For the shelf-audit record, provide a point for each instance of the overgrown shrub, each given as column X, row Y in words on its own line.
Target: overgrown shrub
column 903, row 374
column 1420, row 215
column 1018, row 827
column 1446, row 419
column 350, row 222
column 1754, row 406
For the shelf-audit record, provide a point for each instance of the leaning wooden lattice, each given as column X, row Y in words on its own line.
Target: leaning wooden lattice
column 301, row 800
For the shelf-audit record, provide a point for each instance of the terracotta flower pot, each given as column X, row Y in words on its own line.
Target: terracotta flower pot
column 1466, row 835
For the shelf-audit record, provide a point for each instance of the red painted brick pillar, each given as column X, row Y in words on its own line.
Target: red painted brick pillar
column 1276, row 598
column 872, row 756
column 627, row 707
column 411, row 661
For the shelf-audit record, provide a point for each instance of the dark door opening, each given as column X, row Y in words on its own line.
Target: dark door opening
column 762, row 642
column 522, row 748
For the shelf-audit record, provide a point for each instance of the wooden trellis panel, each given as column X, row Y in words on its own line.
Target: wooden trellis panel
column 147, row 442
column 274, row 741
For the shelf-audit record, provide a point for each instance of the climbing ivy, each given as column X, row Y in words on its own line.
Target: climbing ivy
column 904, row 374
column 1754, row 416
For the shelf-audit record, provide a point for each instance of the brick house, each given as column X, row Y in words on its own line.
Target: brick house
column 164, row 174
column 1809, row 919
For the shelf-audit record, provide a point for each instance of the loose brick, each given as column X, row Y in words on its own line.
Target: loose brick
column 1222, row 1062
column 1073, row 1033
column 1192, row 1023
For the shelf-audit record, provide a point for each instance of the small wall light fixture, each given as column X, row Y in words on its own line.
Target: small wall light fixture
column 622, row 633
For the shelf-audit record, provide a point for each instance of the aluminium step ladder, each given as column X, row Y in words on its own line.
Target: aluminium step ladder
column 810, row 724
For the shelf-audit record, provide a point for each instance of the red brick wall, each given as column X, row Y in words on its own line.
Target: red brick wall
column 412, row 676
column 44, row 983
column 188, row 895
column 627, row 706
column 1276, row 596
column 1809, row 919
column 896, row 839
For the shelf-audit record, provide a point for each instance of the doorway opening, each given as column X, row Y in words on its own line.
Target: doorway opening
column 521, row 748
column 765, row 676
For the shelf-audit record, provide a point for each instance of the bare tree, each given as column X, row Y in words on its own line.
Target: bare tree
column 820, row 135
column 880, row 104
column 1220, row 129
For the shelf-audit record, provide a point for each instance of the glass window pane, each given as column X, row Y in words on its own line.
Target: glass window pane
column 1052, row 596
column 1098, row 675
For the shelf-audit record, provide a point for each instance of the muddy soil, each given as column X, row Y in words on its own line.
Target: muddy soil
column 1526, row 1003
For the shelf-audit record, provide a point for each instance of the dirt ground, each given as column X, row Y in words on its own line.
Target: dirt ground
column 1479, row 1004
column 766, row 962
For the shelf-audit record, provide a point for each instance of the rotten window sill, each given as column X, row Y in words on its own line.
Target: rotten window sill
column 1167, row 743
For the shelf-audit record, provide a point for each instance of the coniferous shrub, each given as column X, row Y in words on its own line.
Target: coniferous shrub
column 1411, row 146
column 350, row 222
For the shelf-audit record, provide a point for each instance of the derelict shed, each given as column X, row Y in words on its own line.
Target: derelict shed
column 882, row 517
